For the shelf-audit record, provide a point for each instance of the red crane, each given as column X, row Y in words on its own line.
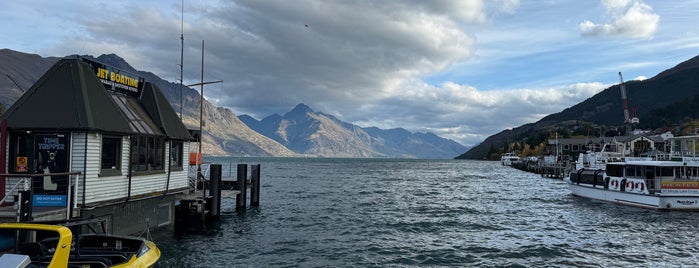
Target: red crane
column 628, row 119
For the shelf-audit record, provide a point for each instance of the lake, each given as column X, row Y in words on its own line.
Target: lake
column 324, row 212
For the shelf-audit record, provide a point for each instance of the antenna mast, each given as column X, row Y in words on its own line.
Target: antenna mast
column 181, row 56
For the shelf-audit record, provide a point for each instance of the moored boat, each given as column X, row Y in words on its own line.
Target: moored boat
column 47, row 245
column 641, row 182
column 508, row 159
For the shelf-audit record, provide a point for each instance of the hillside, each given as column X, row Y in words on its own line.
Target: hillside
column 657, row 102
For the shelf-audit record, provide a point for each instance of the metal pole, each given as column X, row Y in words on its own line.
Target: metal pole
column 181, row 57
column 201, row 132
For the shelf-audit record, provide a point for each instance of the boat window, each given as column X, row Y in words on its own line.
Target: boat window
column 7, row 239
column 666, row 171
column 630, row 171
column 615, row 170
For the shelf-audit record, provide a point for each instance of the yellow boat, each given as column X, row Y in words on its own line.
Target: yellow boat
column 48, row 245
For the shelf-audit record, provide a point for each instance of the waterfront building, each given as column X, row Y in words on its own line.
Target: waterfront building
column 114, row 128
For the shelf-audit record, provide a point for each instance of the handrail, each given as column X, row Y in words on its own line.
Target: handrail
column 24, row 181
column 71, row 193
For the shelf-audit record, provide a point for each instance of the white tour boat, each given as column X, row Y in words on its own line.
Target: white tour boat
column 641, row 182
column 508, row 159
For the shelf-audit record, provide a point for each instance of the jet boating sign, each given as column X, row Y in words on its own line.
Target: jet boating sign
column 117, row 80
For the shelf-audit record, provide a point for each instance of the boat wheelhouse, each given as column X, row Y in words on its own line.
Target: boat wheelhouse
column 642, row 182
column 94, row 141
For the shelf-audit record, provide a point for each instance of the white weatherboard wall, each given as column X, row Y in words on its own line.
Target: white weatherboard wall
column 105, row 188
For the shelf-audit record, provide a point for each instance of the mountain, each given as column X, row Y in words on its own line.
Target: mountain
column 18, row 72
column 307, row 132
column 665, row 101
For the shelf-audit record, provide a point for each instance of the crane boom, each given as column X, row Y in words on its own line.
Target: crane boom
column 622, row 88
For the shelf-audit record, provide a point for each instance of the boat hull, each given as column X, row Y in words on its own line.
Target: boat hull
column 659, row 201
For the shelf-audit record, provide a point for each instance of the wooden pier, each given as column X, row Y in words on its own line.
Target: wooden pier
column 556, row 170
column 200, row 209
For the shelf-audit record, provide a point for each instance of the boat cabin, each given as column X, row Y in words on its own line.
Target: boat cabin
column 106, row 143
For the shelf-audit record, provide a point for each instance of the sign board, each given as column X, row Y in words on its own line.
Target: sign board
column 117, row 80
column 680, row 187
column 43, row 200
column 21, row 164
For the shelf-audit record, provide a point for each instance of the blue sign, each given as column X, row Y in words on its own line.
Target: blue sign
column 42, row 200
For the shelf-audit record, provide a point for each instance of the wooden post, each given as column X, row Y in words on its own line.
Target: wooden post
column 215, row 191
column 255, row 180
column 241, row 186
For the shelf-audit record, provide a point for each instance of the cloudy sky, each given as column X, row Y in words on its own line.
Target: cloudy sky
column 462, row 69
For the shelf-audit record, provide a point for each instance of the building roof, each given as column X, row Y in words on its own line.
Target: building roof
column 70, row 97
column 67, row 97
column 162, row 113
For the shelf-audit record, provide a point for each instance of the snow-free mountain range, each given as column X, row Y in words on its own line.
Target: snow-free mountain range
column 299, row 132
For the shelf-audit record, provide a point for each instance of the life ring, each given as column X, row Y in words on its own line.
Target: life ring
column 629, row 185
column 640, row 187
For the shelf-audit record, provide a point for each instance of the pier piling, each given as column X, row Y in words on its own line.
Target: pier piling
column 241, row 185
column 255, row 181
column 215, row 191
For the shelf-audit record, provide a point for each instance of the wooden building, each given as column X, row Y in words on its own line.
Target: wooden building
column 114, row 128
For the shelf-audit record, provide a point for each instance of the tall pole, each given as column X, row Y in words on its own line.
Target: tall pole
column 201, row 118
column 181, row 57
column 201, row 137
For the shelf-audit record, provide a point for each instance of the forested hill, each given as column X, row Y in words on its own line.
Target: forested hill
column 666, row 100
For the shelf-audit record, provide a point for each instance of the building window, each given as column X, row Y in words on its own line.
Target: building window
column 111, row 156
column 176, row 154
column 566, row 147
column 147, row 153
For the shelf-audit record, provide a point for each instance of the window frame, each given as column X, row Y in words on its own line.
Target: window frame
column 147, row 154
column 118, row 151
column 176, row 154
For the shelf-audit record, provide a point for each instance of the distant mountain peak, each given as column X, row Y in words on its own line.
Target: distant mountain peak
column 300, row 109
column 116, row 61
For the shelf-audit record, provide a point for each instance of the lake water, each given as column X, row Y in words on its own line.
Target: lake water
column 405, row 213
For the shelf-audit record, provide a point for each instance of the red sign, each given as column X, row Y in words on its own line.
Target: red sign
column 21, row 164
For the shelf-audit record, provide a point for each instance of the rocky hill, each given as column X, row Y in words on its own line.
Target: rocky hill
column 305, row 131
column 654, row 101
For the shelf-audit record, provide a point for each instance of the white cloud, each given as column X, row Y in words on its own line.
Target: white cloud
column 467, row 114
column 628, row 18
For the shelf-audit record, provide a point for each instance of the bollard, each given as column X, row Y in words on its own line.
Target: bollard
column 241, row 185
column 255, row 181
column 215, row 191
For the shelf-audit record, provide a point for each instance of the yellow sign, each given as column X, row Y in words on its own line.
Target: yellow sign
column 21, row 164
column 117, row 77
column 680, row 185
